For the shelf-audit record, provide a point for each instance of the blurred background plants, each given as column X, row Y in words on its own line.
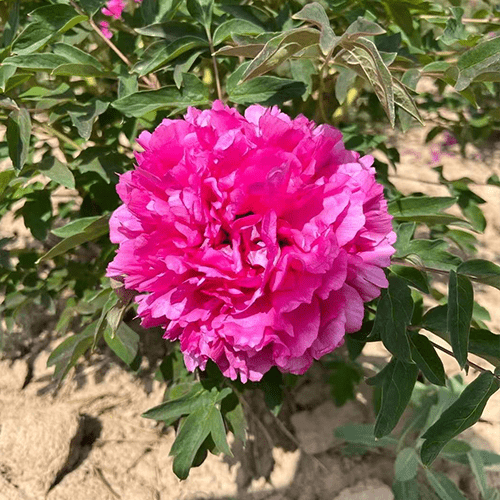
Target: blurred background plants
column 73, row 103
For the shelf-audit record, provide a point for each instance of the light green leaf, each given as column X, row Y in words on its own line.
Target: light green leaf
column 75, row 227
column 124, row 342
column 363, row 434
column 406, row 465
column 459, row 416
column 419, row 205
column 6, row 71
column 477, row 465
column 235, row 27
column 5, row 177
column 218, row 432
column 460, row 305
column 91, row 232
column 57, row 171
column 406, row 490
column 444, row 487
column 18, row 136
column 83, row 119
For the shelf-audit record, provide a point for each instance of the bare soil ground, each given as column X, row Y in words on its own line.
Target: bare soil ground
column 88, row 440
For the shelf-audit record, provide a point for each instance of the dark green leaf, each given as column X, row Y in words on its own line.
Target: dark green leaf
column 91, row 6
column 401, row 15
column 218, row 432
column 397, row 388
column 482, row 58
column 427, row 359
column 413, row 276
column 235, row 27
column 57, row 171
column 171, row 30
column 59, row 17
column 484, row 271
column 5, row 177
column 18, row 136
column 344, row 378
column 432, row 253
column 272, row 386
column 455, row 29
column 124, row 342
column 234, row 415
column 394, row 313
column 10, row 27
column 77, row 69
column 91, row 232
column 461, row 415
column 34, row 37
column 485, row 344
column 411, row 206
column 83, row 117
column 460, row 305
column 406, row 465
column 37, row 211
column 363, row 434
column 444, row 487
column 201, row 10
column 140, row 103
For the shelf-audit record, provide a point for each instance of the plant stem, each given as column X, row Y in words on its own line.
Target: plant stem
column 214, row 62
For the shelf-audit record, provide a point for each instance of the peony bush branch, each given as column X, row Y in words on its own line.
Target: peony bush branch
column 216, row 162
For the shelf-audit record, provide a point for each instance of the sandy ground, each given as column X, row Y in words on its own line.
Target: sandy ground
column 88, row 440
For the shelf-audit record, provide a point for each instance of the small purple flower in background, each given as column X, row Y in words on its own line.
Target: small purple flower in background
column 254, row 240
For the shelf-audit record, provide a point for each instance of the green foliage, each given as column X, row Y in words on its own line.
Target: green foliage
column 354, row 65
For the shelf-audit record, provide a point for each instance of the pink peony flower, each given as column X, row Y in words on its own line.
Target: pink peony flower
column 114, row 8
column 254, row 240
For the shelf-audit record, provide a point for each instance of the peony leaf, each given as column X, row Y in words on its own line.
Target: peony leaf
column 444, row 487
column 461, row 415
column 279, row 49
column 397, row 387
column 201, row 10
column 124, row 342
column 235, row 27
column 411, row 206
column 18, row 136
column 83, row 117
column 57, row 171
column 427, row 359
column 460, row 306
column 93, row 231
column 43, row 61
column 414, row 277
column 363, row 434
column 477, row 466
column 234, row 415
column 406, row 490
column 171, row 30
column 91, row 6
column 483, row 271
column 12, row 24
column 316, row 14
column 406, row 465
column 394, row 312
column 6, row 72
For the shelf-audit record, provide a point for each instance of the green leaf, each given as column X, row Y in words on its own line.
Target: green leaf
column 413, row 276
column 201, row 10
column 235, row 27
column 431, row 253
column 5, row 177
column 218, row 432
column 406, row 465
column 459, row 416
column 460, row 306
column 170, row 30
column 481, row 59
column 485, row 344
column 455, row 29
column 268, row 90
column 77, row 69
column 444, row 487
column 363, row 434
column 59, row 17
column 403, row 99
column 83, row 117
column 12, row 24
column 344, row 379
column 272, row 386
column 394, row 313
column 279, row 49
column 362, row 55
column 91, row 232
column 18, row 136
column 67, row 353
column 483, row 271
column 477, row 465
column 34, row 37
column 401, row 15
column 168, row 53
column 140, row 103
column 414, row 206
column 75, row 227
column 315, row 14
column 91, row 6
column 406, row 490
column 124, row 342
column 57, row 171
column 397, row 387
column 43, row 61
column 427, row 359
column 233, row 413
column 6, row 71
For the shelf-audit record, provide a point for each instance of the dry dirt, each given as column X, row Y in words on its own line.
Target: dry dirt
column 88, row 440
